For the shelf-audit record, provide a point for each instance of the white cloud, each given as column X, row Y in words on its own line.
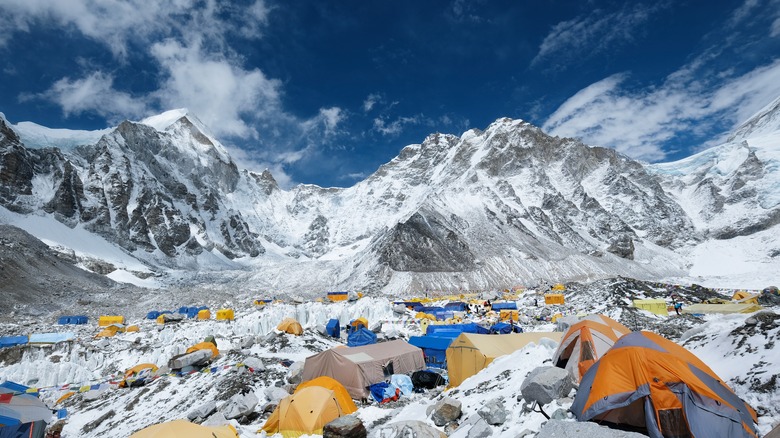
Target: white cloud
column 219, row 92
column 93, row 93
column 638, row 122
column 371, row 101
column 395, row 127
column 591, row 34
column 775, row 29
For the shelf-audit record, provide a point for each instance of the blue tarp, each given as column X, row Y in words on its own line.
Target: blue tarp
column 152, row 315
column 504, row 306
column 457, row 306
column 15, row 387
column 457, row 328
column 78, row 319
column 361, row 336
column 403, row 382
column 51, row 338
column 434, row 347
column 503, row 328
column 333, row 328
column 183, row 310
column 10, row 341
column 337, row 293
column 378, row 391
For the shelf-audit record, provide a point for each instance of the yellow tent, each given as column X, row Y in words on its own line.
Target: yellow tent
column 743, row 297
column 132, row 328
column 111, row 331
column 469, row 353
column 291, row 326
column 140, row 367
column 204, row 314
column 422, row 315
column 721, row 308
column 182, row 428
column 225, row 315
column 305, row 412
column 553, row 299
column 358, row 322
column 655, row 306
column 507, row 314
column 204, row 346
column 558, row 286
column 339, row 391
column 107, row 320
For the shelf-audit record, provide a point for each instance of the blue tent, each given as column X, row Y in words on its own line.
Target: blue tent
column 457, row 306
column 78, row 319
column 192, row 312
column 51, row 338
column 183, row 310
column 333, row 328
column 434, row 348
column 152, row 315
column 510, row 305
column 22, row 414
column 503, row 328
column 10, row 341
column 361, row 336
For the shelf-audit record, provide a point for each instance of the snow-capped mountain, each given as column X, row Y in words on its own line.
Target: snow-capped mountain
column 493, row 208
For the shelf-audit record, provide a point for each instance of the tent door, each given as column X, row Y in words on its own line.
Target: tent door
column 672, row 423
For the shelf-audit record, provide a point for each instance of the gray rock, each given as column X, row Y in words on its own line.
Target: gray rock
column 560, row 414
column 494, row 412
column 348, row 426
column 239, row 405
column 295, row 375
column 407, row 429
column 446, row 410
column 269, row 338
column 216, row 419
column 545, row 384
column 481, row 429
column 248, row 342
column 566, row 429
column 203, row 411
column 254, row 363
column 275, row 394
column 525, row 433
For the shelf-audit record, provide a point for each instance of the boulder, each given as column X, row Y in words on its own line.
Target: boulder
column 406, row 429
column 202, row 411
column 446, row 410
column 494, row 412
column 254, row 363
column 545, row 384
column 239, row 405
column 275, row 394
column 248, row 342
column 295, row 373
column 565, row 429
column 480, row 429
column 348, row 426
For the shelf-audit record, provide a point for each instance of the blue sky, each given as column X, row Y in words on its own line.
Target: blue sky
column 325, row 92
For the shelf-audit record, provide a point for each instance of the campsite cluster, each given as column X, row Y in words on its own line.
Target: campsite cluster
column 510, row 363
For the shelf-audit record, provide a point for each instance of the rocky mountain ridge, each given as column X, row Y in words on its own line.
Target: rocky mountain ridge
column 490, row 208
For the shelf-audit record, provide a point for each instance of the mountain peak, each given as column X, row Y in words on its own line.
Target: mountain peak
column 163, row 121
column 765, row 121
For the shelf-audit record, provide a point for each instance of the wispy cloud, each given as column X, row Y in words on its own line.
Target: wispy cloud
column 371, row 101
column 384, row 126
column 638, row 122
column 93, row 93
column 591, row 34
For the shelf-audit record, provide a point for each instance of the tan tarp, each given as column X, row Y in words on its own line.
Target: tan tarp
column 358, row 367
column 182, row 428
column 721, row 308
column 657, row 307
column 469, row 353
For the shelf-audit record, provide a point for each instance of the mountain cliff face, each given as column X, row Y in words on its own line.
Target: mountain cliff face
column 490, row 208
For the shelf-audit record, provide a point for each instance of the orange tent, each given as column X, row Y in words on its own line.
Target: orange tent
column 305, row 412
column 649, row 382
column 140, row 367
column 585, row 342
column 291, row 326
column 204, row 346
column 339, row 391
column 358, row 322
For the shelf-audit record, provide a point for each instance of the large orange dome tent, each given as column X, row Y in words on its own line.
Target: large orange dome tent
column 585, row 342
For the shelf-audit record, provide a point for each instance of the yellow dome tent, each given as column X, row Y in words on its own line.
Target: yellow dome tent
column 291, row 326
column 204, row 346
column 339, row 391
column 182, row 428
column 204, row 314
column 358, row 322
column 305, row 412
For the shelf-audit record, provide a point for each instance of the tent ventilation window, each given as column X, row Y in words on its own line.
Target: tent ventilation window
column 587, row 351
column 387, row 369
column 672, row 423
